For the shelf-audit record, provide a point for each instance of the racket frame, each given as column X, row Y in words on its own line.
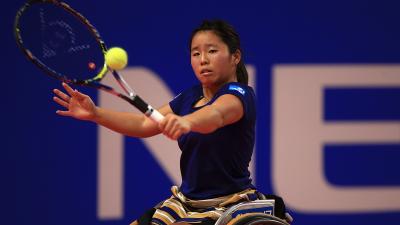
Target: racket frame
column 94, row 82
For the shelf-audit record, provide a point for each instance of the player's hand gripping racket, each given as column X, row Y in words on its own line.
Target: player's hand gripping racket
column 64, row 44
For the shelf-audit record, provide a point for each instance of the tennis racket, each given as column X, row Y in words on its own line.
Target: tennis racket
column 66, row 46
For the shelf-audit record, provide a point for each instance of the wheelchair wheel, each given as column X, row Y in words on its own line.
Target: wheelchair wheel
column 257, row 219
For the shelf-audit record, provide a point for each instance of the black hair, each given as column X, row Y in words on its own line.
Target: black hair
column 230, row 37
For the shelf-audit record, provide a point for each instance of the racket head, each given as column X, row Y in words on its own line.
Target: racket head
column 60, row 41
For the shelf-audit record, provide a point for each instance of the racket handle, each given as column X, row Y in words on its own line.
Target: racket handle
column 156, row 116
column 140, row 104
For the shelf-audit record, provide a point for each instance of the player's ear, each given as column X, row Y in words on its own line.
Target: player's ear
column 236, row 56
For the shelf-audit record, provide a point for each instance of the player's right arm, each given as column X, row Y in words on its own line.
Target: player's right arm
column 130, row 124
column 81, row 106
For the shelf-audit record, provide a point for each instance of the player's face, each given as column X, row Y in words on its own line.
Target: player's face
column 211, row 60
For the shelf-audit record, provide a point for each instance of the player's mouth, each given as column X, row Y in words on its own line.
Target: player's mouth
column 206, row 72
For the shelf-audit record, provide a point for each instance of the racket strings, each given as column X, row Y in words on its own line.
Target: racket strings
column 63, row 43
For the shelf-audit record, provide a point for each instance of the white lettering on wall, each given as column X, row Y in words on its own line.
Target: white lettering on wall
column 299, row 134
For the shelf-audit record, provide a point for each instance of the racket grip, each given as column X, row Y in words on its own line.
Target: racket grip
column 145, row 108
column 156, row 116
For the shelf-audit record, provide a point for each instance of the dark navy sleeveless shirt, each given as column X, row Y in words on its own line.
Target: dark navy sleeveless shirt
column 216, row 164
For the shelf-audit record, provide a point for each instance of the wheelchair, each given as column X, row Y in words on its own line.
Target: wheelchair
column 266, row 210
column 257, row 212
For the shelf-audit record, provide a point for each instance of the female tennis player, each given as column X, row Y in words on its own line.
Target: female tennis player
column 213, row 122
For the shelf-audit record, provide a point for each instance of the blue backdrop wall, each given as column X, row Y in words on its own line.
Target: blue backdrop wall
column 50, row 164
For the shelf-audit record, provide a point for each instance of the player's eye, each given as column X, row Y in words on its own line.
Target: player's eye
column 212, row 51
column 195, row 53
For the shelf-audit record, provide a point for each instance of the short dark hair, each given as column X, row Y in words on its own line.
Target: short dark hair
column 230, row 37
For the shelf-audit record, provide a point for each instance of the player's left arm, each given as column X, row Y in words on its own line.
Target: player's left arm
column 225, row 110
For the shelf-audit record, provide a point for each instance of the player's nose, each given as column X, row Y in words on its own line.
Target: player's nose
column 204, row 59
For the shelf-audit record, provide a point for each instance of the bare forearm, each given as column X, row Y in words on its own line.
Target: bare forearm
column 227, row 109
column 130, row 124
column 206, row 120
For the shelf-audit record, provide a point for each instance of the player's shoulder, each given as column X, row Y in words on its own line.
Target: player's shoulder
column 236, row 88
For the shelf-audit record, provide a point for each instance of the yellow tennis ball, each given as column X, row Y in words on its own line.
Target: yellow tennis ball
column 116, row 58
